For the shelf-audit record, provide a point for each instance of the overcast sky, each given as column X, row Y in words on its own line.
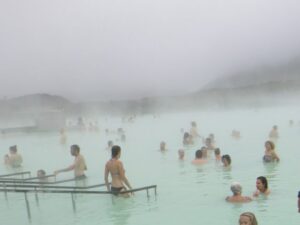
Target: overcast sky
column 116, row 49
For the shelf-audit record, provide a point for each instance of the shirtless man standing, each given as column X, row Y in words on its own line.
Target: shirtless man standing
column 78, row 166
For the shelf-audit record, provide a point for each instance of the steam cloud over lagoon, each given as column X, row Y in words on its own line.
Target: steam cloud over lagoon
column 119, row 50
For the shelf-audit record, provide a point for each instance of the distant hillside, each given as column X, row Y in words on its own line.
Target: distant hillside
column 263, row 75
column 35, row 102
column 267, row 86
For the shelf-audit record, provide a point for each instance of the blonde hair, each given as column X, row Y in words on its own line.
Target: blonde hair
column 251, row 216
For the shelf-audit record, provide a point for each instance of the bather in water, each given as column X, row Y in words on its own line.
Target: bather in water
column 261, row 187
column 270, row 153
column 237, row 197
column 247, row 218
column 226, row 160
column 14, row 159
column 115, row 168
column 181, row 154
column 199, row 158
column 187, row 139
column 78, row 166
column 274, row 135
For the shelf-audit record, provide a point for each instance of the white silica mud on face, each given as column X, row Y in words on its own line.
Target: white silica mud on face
column 187, row 193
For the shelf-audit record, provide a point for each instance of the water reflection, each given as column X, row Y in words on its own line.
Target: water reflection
column 120, row 211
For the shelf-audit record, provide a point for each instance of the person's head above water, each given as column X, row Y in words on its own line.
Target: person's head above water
column 199, row 154
column 13, row 149
column 217, row 151
column 247, row 218
column 181, row 153
column 269, row 145
column 115, row 151
column 75, row 150
column 226, row 159
column 208, row 141
column 262, row 183
column 236, row 188
column 41, row 173
column 162, row 145
column 186, row 135
column 110, row 143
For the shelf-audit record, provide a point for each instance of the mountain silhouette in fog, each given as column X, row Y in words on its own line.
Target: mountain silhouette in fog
column 265, row 86
column 34, row 102
column 283, row 73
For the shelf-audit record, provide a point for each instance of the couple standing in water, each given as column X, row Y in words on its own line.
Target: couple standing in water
column 114, row 167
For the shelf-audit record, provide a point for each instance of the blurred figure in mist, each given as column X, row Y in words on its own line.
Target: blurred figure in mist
column 218, row 157
column 299, row 201
column 13, row 159
column 274, row 135
column 181, row 154
column 291, row 123
column 236, row 134
column 110, row 143
column 199, row 158
column 123, row 138
column 120, row 131
column 63, row 136
column 208, row 144
column 80, row 123
column 162, row 146
column 41, row 175
column 204, row 152
column 237, row 197
column 194, row 130
column 212, row 138
column 187, row 139
column 270, row 153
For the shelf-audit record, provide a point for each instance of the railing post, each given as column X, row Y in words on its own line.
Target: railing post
column 36, row 197
column 5, row 192
column 73, row 203
column 147, row 193
column 28, row 207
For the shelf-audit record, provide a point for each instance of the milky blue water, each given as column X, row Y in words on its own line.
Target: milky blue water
column 187, row 194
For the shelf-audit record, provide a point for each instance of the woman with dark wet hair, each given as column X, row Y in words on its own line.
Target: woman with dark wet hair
column 226, row 160
column 115, row 168
column 261, row 186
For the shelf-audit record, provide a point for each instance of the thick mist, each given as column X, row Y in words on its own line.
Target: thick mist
column 99, row 50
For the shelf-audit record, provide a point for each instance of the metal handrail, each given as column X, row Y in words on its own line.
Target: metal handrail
column 48, row 186
column 14, row 174
column 77, row 192
column 34, row 182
